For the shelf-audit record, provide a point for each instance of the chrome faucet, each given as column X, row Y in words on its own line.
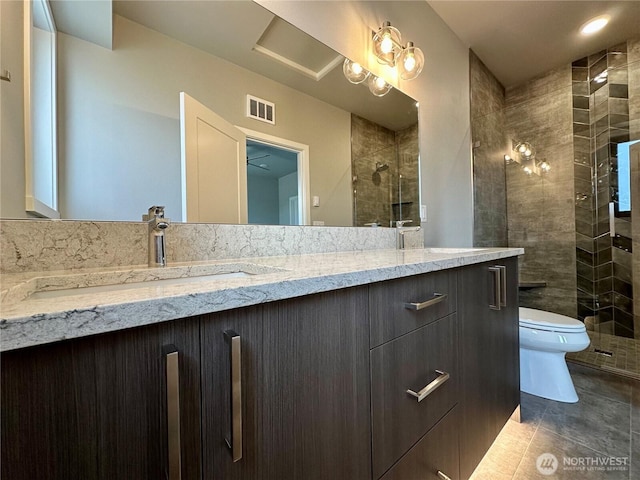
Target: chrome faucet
column 401, row 230
column 157, row 225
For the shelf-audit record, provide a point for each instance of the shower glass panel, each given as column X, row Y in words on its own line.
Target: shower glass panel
column 384, row 168
column 579, row 222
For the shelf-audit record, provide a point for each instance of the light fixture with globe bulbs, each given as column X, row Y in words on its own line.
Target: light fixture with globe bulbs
column 388, row 50
column 524, row 154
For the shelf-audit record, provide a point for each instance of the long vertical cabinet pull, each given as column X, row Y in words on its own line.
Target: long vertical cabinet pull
column 497, row 288
column 503, row 285
column 234, row 436
column 173, row 412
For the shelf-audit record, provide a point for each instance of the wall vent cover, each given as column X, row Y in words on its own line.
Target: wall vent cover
column 261, row 109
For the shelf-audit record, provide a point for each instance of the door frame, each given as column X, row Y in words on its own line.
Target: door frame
column 302, row 152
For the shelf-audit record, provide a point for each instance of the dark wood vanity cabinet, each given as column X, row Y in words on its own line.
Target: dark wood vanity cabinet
column 319, row 383
column 305, row 389
column 95, row 407
column 488, row 310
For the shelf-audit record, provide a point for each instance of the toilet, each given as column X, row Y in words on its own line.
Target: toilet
column 545, row 338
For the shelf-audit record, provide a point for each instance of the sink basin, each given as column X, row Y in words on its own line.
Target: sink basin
column 49, row 287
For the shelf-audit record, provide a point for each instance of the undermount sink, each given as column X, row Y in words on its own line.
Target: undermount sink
column 112, row 281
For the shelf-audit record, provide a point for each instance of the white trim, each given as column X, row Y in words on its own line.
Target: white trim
column 35, row 205
column 302, row 150
column 287, row 62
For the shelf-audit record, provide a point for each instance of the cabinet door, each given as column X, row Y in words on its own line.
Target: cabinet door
column 314, row 390
column 217, row 402
column 490, row 358
column 96, row 408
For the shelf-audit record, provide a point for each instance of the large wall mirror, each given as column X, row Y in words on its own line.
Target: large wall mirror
column 119, row 117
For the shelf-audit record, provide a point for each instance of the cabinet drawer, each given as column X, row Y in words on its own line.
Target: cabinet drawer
column 434, row 294
column 411, row 363
column 436, row 452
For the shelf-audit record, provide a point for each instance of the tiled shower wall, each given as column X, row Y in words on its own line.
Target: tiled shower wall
column 377, row 193
column 603, row 105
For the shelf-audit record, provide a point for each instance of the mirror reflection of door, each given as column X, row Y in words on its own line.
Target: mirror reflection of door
column 214, row 179
column 272, row 184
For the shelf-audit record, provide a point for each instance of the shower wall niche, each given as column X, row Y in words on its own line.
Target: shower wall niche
column 384, row 168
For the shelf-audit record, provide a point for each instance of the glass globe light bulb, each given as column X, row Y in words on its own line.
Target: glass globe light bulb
column 410, row 63
column 386, row 46
column 357, row 68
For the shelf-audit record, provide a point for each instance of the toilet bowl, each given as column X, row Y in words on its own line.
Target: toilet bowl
column 545, row 338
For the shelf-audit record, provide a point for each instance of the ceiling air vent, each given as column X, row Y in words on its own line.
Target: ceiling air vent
column 261, row 110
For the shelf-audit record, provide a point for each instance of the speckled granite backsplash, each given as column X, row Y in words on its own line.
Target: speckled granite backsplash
column 45, row 245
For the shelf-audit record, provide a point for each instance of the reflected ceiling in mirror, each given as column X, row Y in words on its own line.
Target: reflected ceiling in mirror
column 119, row 122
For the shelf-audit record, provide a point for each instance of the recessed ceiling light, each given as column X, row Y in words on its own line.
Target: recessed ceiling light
column 595, row 25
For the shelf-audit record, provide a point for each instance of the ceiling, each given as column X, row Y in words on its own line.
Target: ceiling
column 250, row 36
column 518, row 40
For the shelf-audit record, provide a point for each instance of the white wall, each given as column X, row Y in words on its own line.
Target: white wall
column 442, row 90
column 119, row 127
column 12, row 180
column 287, row 187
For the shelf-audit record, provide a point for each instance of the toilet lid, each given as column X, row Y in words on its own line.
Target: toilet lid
column 555, row 322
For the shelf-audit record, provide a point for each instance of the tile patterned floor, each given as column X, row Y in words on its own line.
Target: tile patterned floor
column 604, row 426
column 625, row 359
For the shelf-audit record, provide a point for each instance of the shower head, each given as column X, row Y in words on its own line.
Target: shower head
column 381, row 167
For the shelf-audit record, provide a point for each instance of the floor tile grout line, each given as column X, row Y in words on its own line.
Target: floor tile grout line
column 524, row 454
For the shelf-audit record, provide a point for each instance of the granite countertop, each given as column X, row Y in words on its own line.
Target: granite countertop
column 44, row 307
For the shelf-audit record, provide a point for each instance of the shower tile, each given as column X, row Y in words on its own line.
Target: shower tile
column 595, row 420
column 582, row 62
column 619, row 75
column 585, row 228
column 600, row 96
column 581, row 130
column 621, row 331
column 601, row 125
column 579, row 74
column 595, row 85
column 618, row 59
column 620, row 48
column 580, row 88
column 602, row 257
column 623, row 288
column 619, row 106
column 617, row 120
column 618, row 90
column 635, row 412
column 623, row 318
column 581, row 102
column 595, row 57
column 582, row 172
column 602, row 139
column 585, row 257
column 585, row 285
column 619, row 135
column 581, row 116
column 600, row 110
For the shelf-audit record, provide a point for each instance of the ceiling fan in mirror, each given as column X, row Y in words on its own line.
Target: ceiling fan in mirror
column 263, row 166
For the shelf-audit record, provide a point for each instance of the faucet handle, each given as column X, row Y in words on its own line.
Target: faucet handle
column 401, row 223
column 154, row 212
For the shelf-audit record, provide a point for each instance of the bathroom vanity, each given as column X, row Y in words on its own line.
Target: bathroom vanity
column 353, row 365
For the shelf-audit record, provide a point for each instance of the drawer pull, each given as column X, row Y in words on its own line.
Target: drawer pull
column 437, row 298
column 172, row 366
column 443, row 476
column 234, row 436
column 432, row 387
column 503, row 285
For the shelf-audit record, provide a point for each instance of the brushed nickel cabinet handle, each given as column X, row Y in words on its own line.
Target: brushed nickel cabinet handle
column 437, row 298
column 234, row 436
column 497, row 288
column 503, row 285
column 432, row 387
column 173, row 412
column 443, row 476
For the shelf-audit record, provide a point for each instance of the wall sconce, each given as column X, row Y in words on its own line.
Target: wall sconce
column 354, row 72
column 387, row 44
column 357, row 74
column 378, row 86
column 388, row 49
column 524, row 154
